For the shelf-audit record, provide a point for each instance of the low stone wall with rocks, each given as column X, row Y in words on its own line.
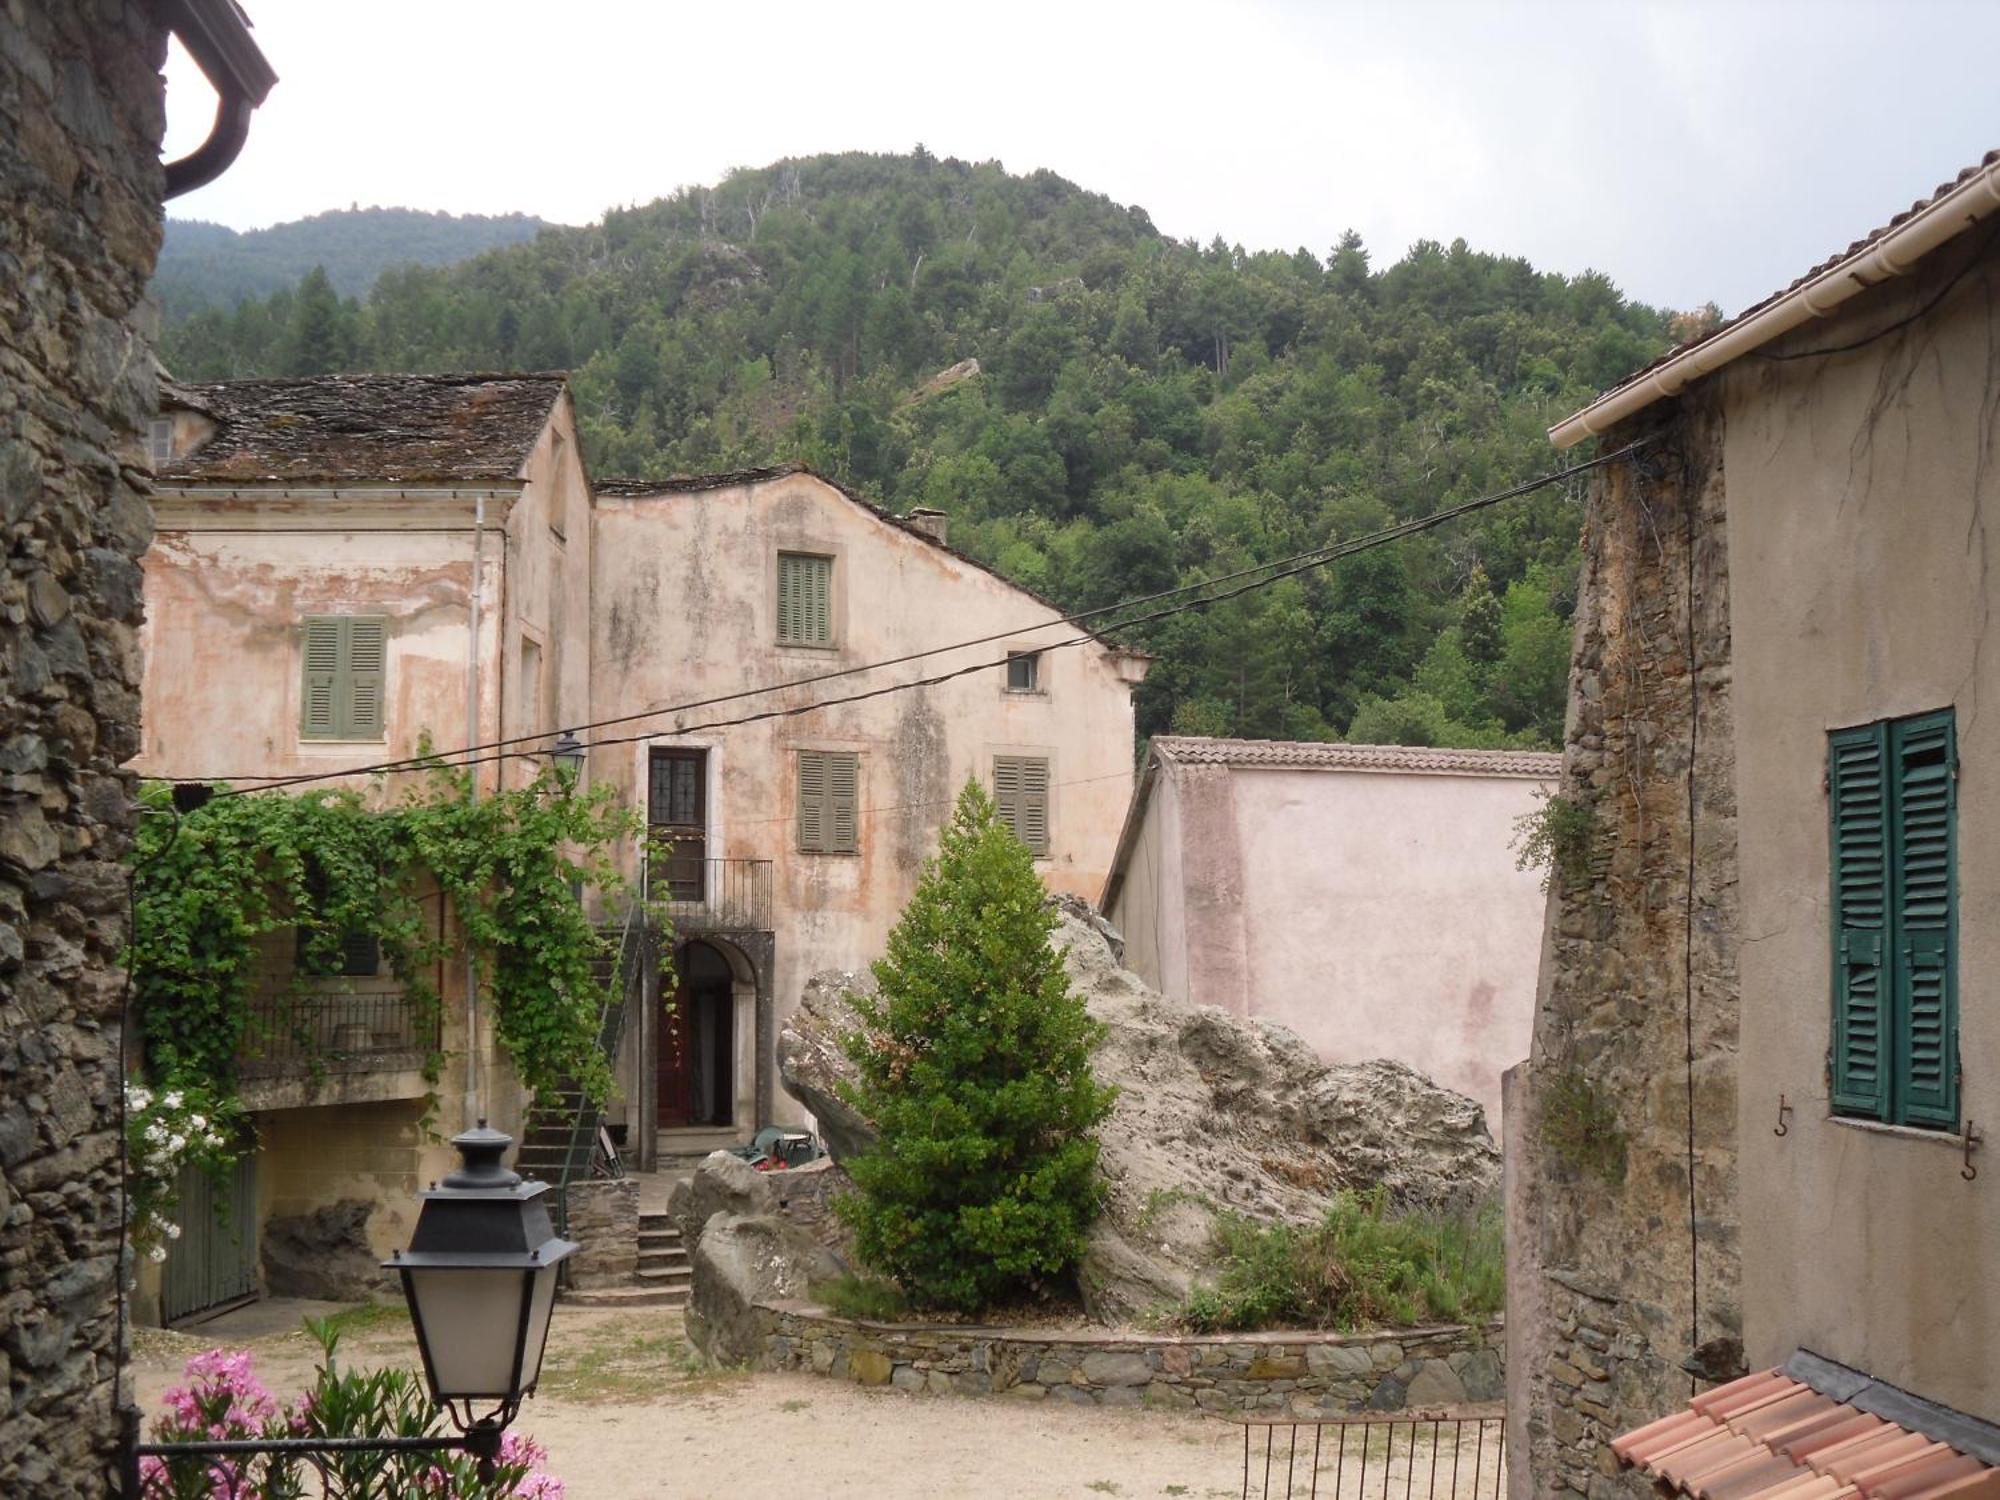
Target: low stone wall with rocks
column 604, row 1222
column 1310, row 1374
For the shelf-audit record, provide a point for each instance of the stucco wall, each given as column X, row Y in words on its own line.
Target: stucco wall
column 1377, row 914
column 684, row 608
column 1862, row 552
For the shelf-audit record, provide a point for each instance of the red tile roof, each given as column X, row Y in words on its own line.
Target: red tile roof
column 1321, row 756
column 1770, row 1437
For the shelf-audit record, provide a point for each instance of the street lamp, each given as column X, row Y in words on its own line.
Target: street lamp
column 566, row 755
column 480, row 1278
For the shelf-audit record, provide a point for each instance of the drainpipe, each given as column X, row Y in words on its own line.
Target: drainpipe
column 473, row 1109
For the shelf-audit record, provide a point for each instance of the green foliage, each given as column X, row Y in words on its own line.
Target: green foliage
column 1579, row 1127
column 1561, row 839
column 975, row 1065
column 1361, row 1267
column 216, row 881
column 1148, row 412
column 867, row 1297
column 175, row 1128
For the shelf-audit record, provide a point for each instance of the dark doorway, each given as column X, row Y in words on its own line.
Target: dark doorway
column 697, row 1063
column 677, row 824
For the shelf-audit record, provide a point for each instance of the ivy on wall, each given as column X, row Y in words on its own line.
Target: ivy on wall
column 330, row 865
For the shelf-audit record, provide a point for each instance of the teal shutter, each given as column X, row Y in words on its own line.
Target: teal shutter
column 1007, row 791
column 812, row 801
column 843, row 802
column 1035, row 805
column 367, row 646
column 1857, row 776
column 322, row 689
column 805, row 599
column 1926, row 1056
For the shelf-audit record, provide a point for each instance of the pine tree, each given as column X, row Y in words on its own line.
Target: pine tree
column 975, row 1065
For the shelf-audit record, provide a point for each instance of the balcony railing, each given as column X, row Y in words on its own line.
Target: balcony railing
column 336, row 1033
column 715, row 894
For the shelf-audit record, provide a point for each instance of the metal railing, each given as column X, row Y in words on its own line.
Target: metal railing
column 716, row 894
column 1374, row 1458
column 336, row 1032
column 377, row 1468
column 589, row 1117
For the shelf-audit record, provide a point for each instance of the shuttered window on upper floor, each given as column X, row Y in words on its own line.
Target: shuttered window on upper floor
column 1021, row 793
column 343, row 661
column 805, row 599
column 1892, row 790
column 829, row 802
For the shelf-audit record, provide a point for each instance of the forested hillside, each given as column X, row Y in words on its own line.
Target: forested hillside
column 1144, row 412
column 204, row 265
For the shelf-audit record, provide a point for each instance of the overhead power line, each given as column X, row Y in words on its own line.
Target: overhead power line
column 1273, row 572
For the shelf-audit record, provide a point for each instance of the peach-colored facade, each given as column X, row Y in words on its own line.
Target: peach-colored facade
column 1366, row 897
column 685, row 609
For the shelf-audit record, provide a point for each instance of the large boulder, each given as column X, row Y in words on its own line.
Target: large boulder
column 724, row 1183
column 743, row 1260
column 813, row 1067
column 325, row 1255
column 1214, row 1113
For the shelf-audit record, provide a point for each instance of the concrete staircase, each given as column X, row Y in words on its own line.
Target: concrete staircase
column 664, row 1276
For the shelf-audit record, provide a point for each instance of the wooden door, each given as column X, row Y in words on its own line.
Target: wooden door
column 675, row 1063
column 677, row 823
column 213, row 1265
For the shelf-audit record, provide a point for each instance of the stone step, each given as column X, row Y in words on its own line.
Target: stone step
column 626, row 1296
column 677, row 1265
column 658, row 1237
column 665, row 1276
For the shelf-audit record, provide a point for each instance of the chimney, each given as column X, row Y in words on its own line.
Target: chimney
column 929, row 521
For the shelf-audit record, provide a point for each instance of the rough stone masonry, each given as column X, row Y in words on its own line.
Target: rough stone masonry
column 81, row 116
column 1612, row 1294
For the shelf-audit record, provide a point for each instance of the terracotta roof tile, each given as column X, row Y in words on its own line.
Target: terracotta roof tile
column 1770, row 1437
column 1316, row 755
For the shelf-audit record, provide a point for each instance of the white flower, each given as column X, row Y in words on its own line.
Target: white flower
column 137, row 1098
column 172, row 1099
column 157, row 1254
column 197, row 1123
column 156, row 1132
column 173, row 1231
column 177, row 1144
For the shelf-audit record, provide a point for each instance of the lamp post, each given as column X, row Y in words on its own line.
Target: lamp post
column 566, row 755
column 480, row 1278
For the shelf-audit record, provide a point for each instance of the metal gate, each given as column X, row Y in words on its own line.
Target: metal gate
column 213, row 1264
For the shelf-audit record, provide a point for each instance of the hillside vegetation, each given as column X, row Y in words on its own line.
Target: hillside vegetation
column 1145, row 412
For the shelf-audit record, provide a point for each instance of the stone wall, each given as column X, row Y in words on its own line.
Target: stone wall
column 604, row 1222
column 1308, row 1374
column 81, row 115
column 1612, row 1291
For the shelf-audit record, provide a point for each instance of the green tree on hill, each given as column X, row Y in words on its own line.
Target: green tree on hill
column 975, row 1066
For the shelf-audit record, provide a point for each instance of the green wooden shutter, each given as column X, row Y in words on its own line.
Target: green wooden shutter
column 322, row 689
column 805, row 599
column 1925, row 1081
column 1035, row 805
column 1857, row 790
column 843, row 802
column 791, row 580
column 818, row 601
column 367, row 646
column 1007, row 791
column 812, row 817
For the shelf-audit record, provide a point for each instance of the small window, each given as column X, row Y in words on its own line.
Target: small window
column 343, row 660
column 1024, row 671
column 1892, row 790
column 1021, row 792
column 829, row 802
column 160, row 441
column 805, row 599
column 359, row 956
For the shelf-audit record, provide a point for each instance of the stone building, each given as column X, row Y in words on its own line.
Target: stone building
column 81, row 119
column 343, row 567
column 1747, row 1137
column 1368, row 897
column 796, row 839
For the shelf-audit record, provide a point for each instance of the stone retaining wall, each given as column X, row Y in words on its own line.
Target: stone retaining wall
column 1311, row 1374
column 604, row 1222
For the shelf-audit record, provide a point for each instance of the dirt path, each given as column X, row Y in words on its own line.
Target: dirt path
column 626, row 1413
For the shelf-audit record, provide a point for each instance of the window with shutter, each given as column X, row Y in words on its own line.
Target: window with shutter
column 805, row 599
column 1895, row 1014
column 343, row 666
column 829, row 798
column 1021, row 796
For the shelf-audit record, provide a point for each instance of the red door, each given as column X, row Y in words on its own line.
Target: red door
column 676, row 1059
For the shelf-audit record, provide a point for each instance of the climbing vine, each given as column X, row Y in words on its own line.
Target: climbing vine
column 1561, row 839
column 509, row 868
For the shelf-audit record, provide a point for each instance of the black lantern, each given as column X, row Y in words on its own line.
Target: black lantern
column 566, row 755
column 480, row 1278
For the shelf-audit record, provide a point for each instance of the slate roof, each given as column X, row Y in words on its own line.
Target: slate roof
column 374, row 429
column 1853, row 250
column 1316, row 756
column 1771, row 1434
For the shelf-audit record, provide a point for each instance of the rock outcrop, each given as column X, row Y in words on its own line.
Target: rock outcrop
column 724, row 1183
column 744, row 1259
column 1214, row 1113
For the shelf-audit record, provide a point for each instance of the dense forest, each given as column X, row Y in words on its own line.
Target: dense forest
column 205, row 264
column 1143, row 412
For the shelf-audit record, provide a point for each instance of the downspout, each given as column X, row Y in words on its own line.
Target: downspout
column 473, row 1109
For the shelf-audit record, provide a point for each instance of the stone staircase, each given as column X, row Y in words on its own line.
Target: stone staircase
column 663, row 1278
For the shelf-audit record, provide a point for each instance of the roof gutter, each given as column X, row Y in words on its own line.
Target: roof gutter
column 1894, row 253
column 216, row 34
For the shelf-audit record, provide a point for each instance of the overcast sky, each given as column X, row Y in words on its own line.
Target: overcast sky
column 1689, row 150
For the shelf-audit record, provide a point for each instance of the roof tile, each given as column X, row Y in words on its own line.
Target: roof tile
column 1320, row 756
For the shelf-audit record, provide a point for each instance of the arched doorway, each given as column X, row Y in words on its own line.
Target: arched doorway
column 697, row 1053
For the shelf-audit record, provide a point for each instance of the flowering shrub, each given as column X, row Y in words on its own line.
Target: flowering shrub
column 224, row 1399
column 179, row 1126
